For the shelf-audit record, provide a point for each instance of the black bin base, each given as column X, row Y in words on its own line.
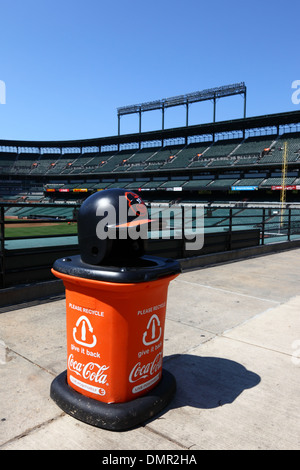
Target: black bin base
column 114, row 416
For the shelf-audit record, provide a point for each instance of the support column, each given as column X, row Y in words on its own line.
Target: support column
column 2, row 241
column 245, row 98
column 187, row 114
column 214, row 116
column 140, row 120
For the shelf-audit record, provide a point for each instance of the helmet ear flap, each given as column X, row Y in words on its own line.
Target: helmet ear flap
column 93, row 250
column 124, row 252
column 98, row 254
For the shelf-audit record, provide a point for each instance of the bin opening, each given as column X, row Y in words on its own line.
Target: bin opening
column 116, row 251
column 120, row 270
column 124, row 262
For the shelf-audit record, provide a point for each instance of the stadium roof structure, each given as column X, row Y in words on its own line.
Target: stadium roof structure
column 186, row 99
column 255, row 122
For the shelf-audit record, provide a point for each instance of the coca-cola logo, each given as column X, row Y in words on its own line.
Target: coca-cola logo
column 92, row 371
column 140, row 372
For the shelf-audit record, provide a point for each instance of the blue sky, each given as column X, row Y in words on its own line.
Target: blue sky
column 68, row 65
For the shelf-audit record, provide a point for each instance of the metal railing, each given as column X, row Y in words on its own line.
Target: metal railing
column 273, row 222
column 30, row 219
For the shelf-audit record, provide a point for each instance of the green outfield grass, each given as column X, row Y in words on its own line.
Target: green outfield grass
column 38, row 230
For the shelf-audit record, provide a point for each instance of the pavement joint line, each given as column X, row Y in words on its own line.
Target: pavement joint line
column 30, row 361
column 200, row 329
column 229, row 291
column 157, row 433
column 32, row 430
column 259, row 314
column 256, row 345
column 194, row 326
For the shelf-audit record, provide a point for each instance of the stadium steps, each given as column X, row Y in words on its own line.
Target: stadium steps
column 242, row 160
column 249, row 181
column 293, row 149
column 141, row 155
column 222, row 148
column 173, row 184
column 225, row 183
column 254, row 145
column 24, row 162
column 43, row 164
column 165, row 153
column 197, row 184
column 221, row 162
column 268, row 182
column 185, row 156
column 199, row 163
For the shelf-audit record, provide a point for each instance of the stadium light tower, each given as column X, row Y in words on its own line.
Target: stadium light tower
column 212, row 94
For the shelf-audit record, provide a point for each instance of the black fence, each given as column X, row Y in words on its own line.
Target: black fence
column 176, row 231
column 27, row 258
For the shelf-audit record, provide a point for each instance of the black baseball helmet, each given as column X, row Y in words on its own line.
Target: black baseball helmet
column 104, row 222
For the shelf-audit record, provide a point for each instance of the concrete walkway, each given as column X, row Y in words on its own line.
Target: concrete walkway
column 232, row 341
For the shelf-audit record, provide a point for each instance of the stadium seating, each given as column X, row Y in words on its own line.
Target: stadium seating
column 246, row 161
column 254, row 145
column 153, row 184
column 7, row 161
column 293, row 149
column 221, row 162
column 201, row 163
column 222, row 154
column 276, row 182
column 41, row 212
column 140, row 156
column 197, row 184
column 172, row 184
column 92, row 161
column 164, row 154
column 186, row 155
column 43, row 164
column 208, row 166
column 249, row 182
column 206, row 163
column 222, row 148
column 225, row 183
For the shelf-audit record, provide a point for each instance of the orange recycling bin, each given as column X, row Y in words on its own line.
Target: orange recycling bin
column 116, row 299
column 115, row 335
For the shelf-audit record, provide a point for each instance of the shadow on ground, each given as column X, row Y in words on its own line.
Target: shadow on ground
column 207, row 382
